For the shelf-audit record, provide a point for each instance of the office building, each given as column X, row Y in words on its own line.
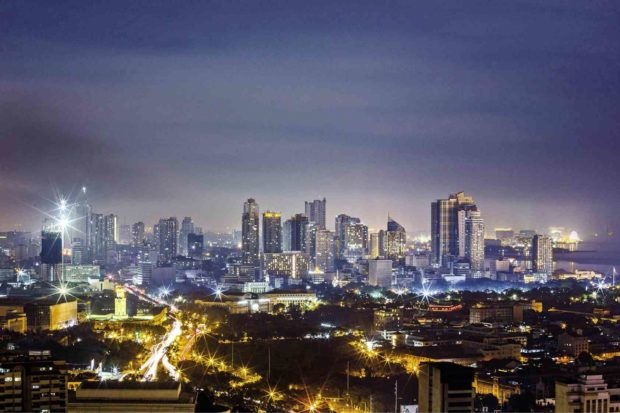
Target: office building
column 120, row 302
column 542, row 254
column 80, row 273
column 81, row 228
column 167, row 240
column 393, row 241
column 187, row 227
column 272, row 232
column 249, row 233
column 473, row 239
column 445, row 388
column 49, row 314
column 445, row 227
column 51, row 256
column 32, row 382
column 138, row 234
column 373, row 245
column 292, row 264
column 324, row 250
column 342, row 222
column 355, row 241
column 296, row 233
column 315, row 211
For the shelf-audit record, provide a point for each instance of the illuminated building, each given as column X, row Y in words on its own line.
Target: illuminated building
column 167, row 240
column 98, row 238
column 195, row 245
column 373, row 245
column 137, row 234
column 507, row 313
column 473, row 239
column 380, row 273
column 51, row 315
column 15, row 321
column 51, row 255
column 32, row 382
column 542, row 254
column 293, row 264
column 445, row 387
column 342, row 222
column 120, row 302
column 587, row 393
column 315, row 211
column 187, row 227
column 272, row 232
column 573, row 345
column 249, row 233
column 82, row 228
column 393, row 242
column 355, row 241
column 131, row 396
column 324, row 250
column 445, row 226
column 80, row 273
column 125, row 235
column 296, row 233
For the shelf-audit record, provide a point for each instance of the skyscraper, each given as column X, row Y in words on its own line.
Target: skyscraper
column 393, row 241
column 81, row 224
column 195, row 245
column 187, row 227
column 445, row 226
column 272, row 232
column 474, row 239
column 342, row 221
column 542, row 254
column 98, row 238
column 137, row 234
column 51, row 255
column 249, row 233
column 324, row 250
column 297, row 226
column 355, row 241
column 315, row 211
column 167, row 239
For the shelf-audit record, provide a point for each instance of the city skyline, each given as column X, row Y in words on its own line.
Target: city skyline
column 379, row 109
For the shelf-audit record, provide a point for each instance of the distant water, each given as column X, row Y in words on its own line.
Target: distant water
column 599, row 256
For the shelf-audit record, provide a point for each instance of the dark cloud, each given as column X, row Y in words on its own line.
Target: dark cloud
column 187, row 109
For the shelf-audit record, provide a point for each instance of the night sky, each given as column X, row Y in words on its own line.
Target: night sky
column 188, row 108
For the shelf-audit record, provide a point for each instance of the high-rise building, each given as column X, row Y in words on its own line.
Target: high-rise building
column 137, row 234
column 342, row 222
column 272, row 232
column 81, row 224
column 445, row 388
column 51, row 256
column 355, row 241
column 542, row 254
column 167, row 240
column 445, row 226
column 249, row 233
column 187, row 227
column 297, row 226
column 32, row 382
column 393, row 241
column 195, row 245
column 125, row 235
column 473, row 240
column 373, row 245
column 324, row 250
column 315, row 211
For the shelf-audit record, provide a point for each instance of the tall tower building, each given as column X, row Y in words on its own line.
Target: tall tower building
column 393, row 241
column 137, row 234
column 342, row 222
column 445, row 226
column 167, row 232
column 297, row 225
column 272, row 232
column 249, row 233
column 355, row 241
column 474, row 239
column 51, row 255
column 315, row 211
column 187, row 227
column 98, row 238
column 81, row 223
column 324, row 250
column 542, row 254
